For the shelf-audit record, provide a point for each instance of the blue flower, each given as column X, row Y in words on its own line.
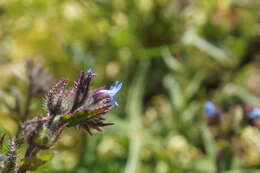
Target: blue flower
column 210, row 109
column 254, row 113
column 108, row 93
column 112, row 92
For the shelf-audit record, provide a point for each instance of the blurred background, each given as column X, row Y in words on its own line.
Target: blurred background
column 171, row 55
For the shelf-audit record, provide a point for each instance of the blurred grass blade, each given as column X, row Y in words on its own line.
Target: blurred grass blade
column 194, row 86
column 176, row 94
column 148, row 53
column 209, row 142
column 242, row 93
column 171, row 61
column 218, row 54
column 134, row 111
column 190, row 111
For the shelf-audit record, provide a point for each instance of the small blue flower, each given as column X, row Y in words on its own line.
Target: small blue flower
column 254, row 113
column 210, row 109
column 110, row 93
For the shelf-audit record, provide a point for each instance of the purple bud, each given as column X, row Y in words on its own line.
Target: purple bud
column 81, row 89
column 55, row 96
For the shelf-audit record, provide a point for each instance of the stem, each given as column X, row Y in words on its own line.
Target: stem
column 83, row 152
column 31, row 152
column 24, row 115
column 134, row 110
column 28, row 101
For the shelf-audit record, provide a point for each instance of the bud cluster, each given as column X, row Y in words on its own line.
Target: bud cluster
column 78, row 106
column 73, row 107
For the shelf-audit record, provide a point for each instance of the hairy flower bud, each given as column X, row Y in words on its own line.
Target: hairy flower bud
column 55, row 97
column 9, row 165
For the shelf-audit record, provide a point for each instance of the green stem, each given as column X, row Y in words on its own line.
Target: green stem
column 134, row 111
column 83, row 151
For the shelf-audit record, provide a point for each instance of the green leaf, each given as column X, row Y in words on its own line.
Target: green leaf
column 35, row 162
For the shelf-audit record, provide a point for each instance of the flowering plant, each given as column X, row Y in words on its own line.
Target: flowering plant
column 78, row 106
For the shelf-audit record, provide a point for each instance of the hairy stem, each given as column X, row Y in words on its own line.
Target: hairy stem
column 28, row 101
column 31, row 152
